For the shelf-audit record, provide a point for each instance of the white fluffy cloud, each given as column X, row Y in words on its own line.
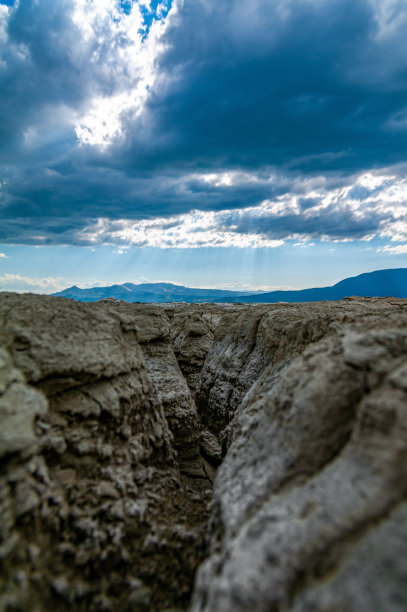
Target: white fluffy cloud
column 394, row 250
column 195, row 230
column 21, row 283
column 373, row 205
column 118, row 39
column 83, row 66
column 17, row 282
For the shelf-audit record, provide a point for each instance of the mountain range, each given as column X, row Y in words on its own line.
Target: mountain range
column 151, row 292
column 380, row 283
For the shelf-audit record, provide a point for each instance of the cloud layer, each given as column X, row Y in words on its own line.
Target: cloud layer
column 372, row 206
column 202, row 123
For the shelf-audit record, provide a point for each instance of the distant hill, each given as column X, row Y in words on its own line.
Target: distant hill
column 374, row 284
column 149, row 292
column 380, row 283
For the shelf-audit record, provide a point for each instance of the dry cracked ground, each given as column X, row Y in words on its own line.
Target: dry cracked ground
column 216, row 458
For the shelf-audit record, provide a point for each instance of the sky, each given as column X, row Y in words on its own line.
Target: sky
column 247, row 144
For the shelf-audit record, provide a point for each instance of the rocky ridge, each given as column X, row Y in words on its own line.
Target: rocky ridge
column 116, row 416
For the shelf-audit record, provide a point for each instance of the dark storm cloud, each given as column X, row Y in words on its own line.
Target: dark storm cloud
column 332, row 222
column 37, row 74
column 301, row 83
column 297, row 88
column 65, row 190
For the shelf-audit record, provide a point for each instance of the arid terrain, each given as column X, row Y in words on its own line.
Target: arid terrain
column 211, row 457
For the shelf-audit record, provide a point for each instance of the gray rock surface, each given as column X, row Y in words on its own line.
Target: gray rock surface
column 115, row 417
column 252, row 338
column 95, row 514
column 19, row 405
column 192, row 331
column 154, row 336
column 310, row 507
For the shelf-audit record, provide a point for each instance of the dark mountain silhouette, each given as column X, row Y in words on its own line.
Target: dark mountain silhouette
column 380, row 283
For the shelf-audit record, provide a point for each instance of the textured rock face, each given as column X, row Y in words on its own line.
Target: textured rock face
column 310, row 507
column 174, row 395
column 114, row 417
column 252, row 338
column 94, row 512
column 192, row 331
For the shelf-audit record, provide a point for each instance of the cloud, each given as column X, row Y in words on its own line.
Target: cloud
column 396, row 250
column 120, row 119
column 17, row 282
column 370, row 205
column 71, row 69
column 299, row 83
column 195, row 230
column 242, row 209
column 50, row 284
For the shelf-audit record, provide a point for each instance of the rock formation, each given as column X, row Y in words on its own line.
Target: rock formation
column 116, row 416
column 95, row 514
